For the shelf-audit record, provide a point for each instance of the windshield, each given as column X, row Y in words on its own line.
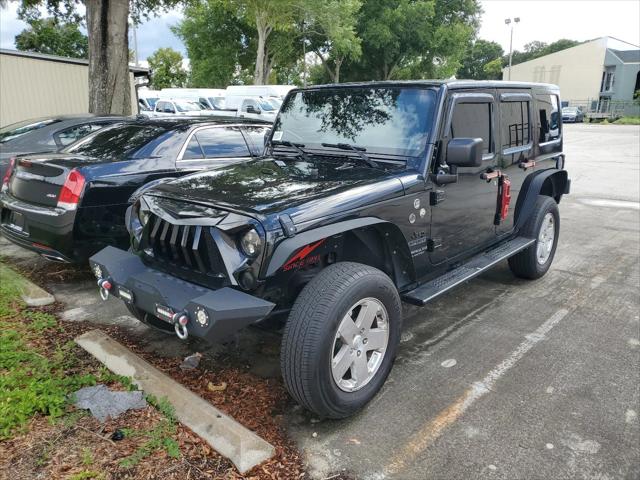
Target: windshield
column 152, row 101
column 118, row 142
column 16, row 130
column 569, row 110
column 183, row 106
column 383, row 120
column 217, row 102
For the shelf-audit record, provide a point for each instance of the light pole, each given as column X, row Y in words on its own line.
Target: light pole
column 508, row 22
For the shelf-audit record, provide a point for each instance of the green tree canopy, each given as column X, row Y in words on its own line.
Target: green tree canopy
column 54, row 37
column 475, row 63
column 538, row 49
column 166, row 69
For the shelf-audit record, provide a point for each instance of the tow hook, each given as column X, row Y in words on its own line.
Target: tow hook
column 104, row 285
column 180, row 321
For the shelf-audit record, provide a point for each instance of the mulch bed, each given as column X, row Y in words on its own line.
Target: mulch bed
column 50, row 450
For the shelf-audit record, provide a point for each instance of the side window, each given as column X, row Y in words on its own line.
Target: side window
column 222, row 142
column 160, row 106
column 256, row 138
column 72, row 134
column 515, row 124
column 548, row 117
column 193, row 150
column 472, row 120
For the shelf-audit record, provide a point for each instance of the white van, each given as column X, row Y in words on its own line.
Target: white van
column 208, row 98
column 237, row 93
column 258, row 108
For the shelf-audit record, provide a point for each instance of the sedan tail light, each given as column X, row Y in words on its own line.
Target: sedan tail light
column 7, row 175
column 71, row 191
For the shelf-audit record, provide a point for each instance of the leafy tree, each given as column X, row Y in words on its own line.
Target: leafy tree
column 54, row 37
column 107, row 28
column 479, row 55
column 166, row 69
column 217, row 44
column 332, row 33
column 412, row 38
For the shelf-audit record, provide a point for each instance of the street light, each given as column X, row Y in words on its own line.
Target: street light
column 507, row 21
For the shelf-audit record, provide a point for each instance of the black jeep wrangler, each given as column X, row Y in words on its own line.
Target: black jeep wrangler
column 368, row 195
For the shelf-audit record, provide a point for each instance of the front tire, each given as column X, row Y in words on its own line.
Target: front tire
column 544, row 226
column 341, row 339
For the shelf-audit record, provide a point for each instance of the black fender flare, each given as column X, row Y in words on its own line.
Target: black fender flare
column 532, row 187
column 285, row 249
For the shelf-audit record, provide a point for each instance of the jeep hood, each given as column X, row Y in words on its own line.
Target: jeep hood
column 303, row 189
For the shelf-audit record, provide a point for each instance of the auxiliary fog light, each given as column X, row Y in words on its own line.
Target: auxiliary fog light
column 202, row 317
column 97, row 271
column 125, row 294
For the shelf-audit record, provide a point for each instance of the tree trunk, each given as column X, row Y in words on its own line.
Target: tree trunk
column 108, row 29
column 259, row 76
column 326, row 66
column 336, row 77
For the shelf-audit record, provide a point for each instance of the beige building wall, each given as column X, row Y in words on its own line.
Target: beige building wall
column 577, row 70
column 34, row 87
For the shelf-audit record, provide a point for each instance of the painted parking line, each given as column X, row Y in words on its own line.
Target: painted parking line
column 424, row 437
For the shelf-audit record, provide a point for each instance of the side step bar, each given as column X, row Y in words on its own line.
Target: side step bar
column 474, row 267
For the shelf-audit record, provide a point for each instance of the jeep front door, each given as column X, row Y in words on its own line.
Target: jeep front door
column 463, row 214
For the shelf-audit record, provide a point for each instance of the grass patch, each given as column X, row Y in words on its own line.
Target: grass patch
column 627, row 121
column 32, row 381
column 162, row 436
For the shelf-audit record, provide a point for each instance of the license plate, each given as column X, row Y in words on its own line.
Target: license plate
column 16, row 221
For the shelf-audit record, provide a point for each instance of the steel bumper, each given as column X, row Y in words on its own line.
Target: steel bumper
column 225, row 310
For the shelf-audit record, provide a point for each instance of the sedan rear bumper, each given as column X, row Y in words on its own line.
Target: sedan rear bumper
column 210, row 314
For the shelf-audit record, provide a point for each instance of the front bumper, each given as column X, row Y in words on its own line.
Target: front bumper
column 227, row 310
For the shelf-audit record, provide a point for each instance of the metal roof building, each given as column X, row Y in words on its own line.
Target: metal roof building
column 38, row 85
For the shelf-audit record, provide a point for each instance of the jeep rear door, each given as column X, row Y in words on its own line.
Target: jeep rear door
column 462, row 219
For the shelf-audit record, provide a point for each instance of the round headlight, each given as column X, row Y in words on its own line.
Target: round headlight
column 143, row 216
column 251, row 243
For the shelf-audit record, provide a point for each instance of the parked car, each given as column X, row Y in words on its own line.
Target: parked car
column 235, row 94
column 370, row 194
column 176, row 107
column 47, row 134
column 68, row 205
column 147, row 98
column 258, row 108
column 208, row 98
column 572, row 114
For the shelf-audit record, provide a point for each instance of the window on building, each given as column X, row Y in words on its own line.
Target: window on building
column 222, row 142
column 515, row 124
column 609, row 82
column 548, row 117
column 472, row 120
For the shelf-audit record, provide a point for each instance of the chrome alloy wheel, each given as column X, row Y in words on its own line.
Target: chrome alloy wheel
column 545, row 238
column 360, row 344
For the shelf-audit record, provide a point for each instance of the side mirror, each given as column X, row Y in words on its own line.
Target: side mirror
column 252, row 109
column 464, row 152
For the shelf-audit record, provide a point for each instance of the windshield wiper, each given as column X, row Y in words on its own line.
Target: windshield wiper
column 298, row 147
column 354, row 148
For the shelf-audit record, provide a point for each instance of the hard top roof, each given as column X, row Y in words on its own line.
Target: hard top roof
column 451, row 84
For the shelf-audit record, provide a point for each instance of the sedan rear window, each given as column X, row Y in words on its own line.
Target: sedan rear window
column 117, row 143
column 16, row 130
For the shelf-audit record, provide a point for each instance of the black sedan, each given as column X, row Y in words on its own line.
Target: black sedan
column 48, row 134
column 68, row 205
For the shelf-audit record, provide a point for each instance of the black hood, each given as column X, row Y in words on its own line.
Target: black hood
column 277, row 186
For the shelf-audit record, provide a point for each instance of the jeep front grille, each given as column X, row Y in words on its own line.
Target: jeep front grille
column 189, row 247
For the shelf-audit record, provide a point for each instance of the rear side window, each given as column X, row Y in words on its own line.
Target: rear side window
column 515, row 124
column 72, row 134
column 472, row 120
column 222, row 142
column 193, row 150
column 548, row 117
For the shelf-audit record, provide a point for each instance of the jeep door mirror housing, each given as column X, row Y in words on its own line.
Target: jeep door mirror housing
column 464, row 152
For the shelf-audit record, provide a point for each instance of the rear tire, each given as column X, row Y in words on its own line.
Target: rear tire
column 544, row 226
column 341, row 339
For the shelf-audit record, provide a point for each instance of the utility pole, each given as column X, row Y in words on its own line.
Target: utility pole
column 508, row 22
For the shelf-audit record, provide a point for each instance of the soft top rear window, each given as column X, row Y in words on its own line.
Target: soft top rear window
column 118, row 142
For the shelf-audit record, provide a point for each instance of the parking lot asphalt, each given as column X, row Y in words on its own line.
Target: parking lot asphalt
column 502, row 378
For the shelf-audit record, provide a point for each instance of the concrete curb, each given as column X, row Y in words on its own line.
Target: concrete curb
column 31, row 294
column 240, row 445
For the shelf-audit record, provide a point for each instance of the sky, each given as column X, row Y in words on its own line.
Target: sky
column 543, row 20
